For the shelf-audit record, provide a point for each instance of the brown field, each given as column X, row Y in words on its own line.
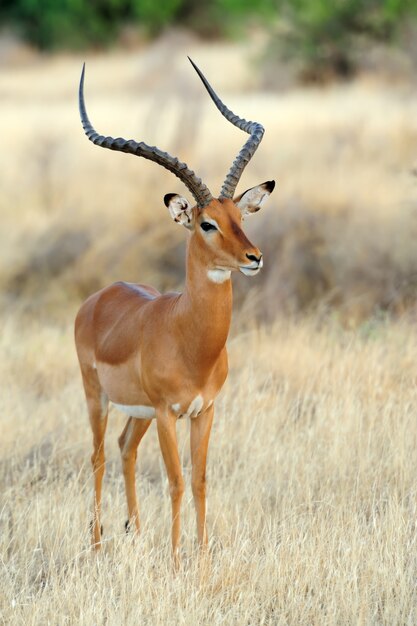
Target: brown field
column 312, row 465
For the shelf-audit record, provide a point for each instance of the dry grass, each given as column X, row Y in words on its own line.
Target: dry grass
column 312, row 489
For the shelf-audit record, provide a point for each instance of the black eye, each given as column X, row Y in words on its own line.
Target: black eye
column 206, row 226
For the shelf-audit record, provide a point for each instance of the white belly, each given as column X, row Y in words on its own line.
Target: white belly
column 141, row 411
column 136, row 410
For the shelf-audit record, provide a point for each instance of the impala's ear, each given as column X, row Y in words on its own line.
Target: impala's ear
column 179, row 209
column 250, row 201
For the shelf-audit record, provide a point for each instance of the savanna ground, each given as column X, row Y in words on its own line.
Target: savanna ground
column 312, row 465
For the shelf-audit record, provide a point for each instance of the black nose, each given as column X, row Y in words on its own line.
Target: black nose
column 252, row 257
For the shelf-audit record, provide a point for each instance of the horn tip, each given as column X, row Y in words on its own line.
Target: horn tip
column 82, row 75
column 193, row 64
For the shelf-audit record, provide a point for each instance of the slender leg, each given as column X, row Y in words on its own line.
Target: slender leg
column 199, row 439
column 166, row 423
column 128, row 443
column 97, row 404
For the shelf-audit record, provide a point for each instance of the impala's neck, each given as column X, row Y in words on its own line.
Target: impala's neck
column 207, row 305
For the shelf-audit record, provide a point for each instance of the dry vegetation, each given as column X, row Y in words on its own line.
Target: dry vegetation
column 312, row 488
column 312, row 499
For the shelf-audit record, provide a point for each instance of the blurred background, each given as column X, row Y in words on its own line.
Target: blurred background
column 334, row 83
column 315, row 434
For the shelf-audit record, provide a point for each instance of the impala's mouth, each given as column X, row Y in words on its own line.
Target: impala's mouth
column 251, row 269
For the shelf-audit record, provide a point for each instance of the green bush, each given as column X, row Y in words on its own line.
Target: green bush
column 74, row 24
column 318, row 32
column 65, row 23
column 50, row 24
column 155, row 15
column 322, row 34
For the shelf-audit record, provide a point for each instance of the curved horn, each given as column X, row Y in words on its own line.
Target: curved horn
column 199, row 190
column 254, row 129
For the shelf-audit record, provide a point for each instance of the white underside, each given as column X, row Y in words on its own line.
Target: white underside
column 141, row 411
column 136, row 410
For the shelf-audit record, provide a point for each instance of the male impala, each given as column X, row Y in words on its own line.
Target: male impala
column 164, row 356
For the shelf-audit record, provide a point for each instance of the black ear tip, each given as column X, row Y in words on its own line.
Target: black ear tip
column 168, row 197
column 270, row 185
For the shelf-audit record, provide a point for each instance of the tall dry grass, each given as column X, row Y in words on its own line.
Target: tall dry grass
column 312, row 490
column 311, row 471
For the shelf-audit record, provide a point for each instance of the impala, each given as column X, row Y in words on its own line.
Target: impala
column 163, row 356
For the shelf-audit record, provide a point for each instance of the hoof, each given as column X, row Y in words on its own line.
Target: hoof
column 127, row 526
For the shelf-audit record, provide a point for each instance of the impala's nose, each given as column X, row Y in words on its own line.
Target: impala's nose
column 253, row 257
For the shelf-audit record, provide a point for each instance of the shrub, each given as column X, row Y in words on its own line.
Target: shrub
column 323, row 34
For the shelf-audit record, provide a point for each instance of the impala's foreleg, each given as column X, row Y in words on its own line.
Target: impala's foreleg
column 128, row 443
column 166, row 423
column 199, row 439
column 97, row 404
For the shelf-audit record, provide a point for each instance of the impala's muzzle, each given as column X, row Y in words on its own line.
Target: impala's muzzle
column 252, row 268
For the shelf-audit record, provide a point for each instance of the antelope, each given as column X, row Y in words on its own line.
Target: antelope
column 163, row 356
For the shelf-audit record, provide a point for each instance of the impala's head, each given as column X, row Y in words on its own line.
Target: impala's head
column 215, row 223
column 217, row 230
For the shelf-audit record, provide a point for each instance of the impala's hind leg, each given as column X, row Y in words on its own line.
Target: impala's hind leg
column 97, row 404
column 128, row 443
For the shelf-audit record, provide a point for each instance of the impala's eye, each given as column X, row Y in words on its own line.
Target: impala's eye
column 206, row 226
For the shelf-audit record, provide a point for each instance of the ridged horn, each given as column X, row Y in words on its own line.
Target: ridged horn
column 199, row 190
column 254, row 129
